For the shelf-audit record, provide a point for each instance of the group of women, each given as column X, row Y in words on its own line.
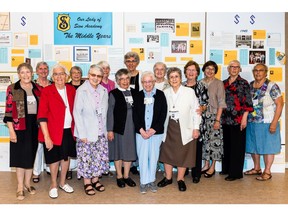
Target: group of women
column 146, row 119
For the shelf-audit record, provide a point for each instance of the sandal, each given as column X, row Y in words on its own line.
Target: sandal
column 99, row 188
column 88, row 191
column 69, row 175
column 264, row 177
column 35, row 179
column 31, row 190
column 20, row 195
column 253, row 172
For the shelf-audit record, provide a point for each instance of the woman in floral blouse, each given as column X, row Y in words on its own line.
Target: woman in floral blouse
column 234, row 122
column 263, row 129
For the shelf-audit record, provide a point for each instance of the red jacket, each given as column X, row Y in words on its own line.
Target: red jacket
column 52, row 110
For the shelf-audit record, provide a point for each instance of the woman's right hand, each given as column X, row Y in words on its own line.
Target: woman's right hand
column 13, row 136
column 48, row 143
column 110, row 135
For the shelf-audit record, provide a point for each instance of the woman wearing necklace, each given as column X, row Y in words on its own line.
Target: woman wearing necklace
column 20, row 117
column 57, row 126
column 42, row 70
column 234, row 122
column 181, row 130
column 263, row 129
column 192, row 71
column 212, row 130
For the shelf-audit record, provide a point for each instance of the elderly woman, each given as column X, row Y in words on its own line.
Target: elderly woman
column 132, row 60
column 42, row 70
column 90, row 111
column 192, row 71
column 149, row 114
column 76, row 76
column 20, row 116
column 234, row 122
column 212, row 129
column 120, row 127
column 106, row 82
column 263, row 129
column 57, row 126
column 160, row 69
column 181, row 130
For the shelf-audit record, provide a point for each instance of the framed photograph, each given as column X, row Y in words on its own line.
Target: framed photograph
column 81, row 53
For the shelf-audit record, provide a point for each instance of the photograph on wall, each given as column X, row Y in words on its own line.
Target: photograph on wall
column 82, row 53
column 258, row 44
column 5, row 39
column 165, row 25
column 257, row 57
column 152, row 38
column 178, row 46
column 243, row 41
column 4, row 21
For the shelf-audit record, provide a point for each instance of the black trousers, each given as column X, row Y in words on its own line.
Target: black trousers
column 196, row 171
column 234, row 150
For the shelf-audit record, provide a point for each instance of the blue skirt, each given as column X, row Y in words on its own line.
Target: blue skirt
column 259, row 140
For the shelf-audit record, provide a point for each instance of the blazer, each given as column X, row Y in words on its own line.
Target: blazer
column 187, row 104
column 85, row 116
column 159, row 112
column 52, row 110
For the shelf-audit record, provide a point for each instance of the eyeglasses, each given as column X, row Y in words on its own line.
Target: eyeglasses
column 130, row 61
column 234, row 67
column 148, row 82
column 59, row 74
column 261, row 70
column 210, row 69
column 124, row 79
column 76, row 72
column 95, row 75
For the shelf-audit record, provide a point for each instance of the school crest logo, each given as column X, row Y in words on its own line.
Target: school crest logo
column 63, row 22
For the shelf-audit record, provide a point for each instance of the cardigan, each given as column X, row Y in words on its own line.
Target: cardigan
column 16, row 104
column 159, row 112
column 52, row 110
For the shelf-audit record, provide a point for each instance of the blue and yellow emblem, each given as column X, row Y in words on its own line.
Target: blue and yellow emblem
column 63, row 22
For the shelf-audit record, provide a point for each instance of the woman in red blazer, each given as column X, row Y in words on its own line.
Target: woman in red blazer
column 57, row 125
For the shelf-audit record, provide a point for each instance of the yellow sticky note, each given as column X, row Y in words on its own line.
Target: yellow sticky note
column 195, row 29
column 229, row 55
column 140, row 51
column 17, row 51
column 259, row 34
column 67, row 64
column 275, row 74
column 16, row 60
column 182, row 29
column 219, row 72
column 195, row 47
column 170, row 59
column 33, row 39
column 4, row 139
column 186, row 59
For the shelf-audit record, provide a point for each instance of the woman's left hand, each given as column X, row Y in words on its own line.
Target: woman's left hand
column 272, row 128
column 195, row 134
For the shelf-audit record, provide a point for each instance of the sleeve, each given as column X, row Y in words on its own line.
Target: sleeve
column 247, row 99
column 203, row 91
column 43, row 110
column 110, row 113
column 163, row 112
column 136, row 113
column 220, row 92
column 79, row 130
column 9, row 106
column 275, row 91
column 196, row 118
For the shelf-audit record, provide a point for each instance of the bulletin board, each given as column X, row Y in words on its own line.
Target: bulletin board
column 172, row 38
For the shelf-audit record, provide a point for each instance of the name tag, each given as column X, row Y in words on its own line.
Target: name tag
column 174, row 115
column 98, row 111
column 129, row 99
column 132, row 86
column 149, row 100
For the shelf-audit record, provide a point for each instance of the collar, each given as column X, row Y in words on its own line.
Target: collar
column 122, row 89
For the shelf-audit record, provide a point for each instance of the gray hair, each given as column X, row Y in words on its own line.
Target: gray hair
column 174, row 69
column 58, row 66
column 132, row 55
column 97, row 68
column 160, row 63
column 148, row 73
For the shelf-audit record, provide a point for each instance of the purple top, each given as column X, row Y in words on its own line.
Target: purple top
column 109, row 86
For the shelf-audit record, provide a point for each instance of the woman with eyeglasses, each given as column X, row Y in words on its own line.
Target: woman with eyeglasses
column 212, row 130
column 263, row 128
column 120, row 127
column 90, row 112
column 57, row 126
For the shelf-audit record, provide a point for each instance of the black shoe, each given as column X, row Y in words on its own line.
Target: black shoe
column 134, row 170
column 164, row 182
column 196, row 180
column 228, row 178
column 223, row 173
column 181, row 185
column 69, row 175
column 121, row 182
column 204, row 171
column 48, row 173
column 129, row 182
column 207, row 175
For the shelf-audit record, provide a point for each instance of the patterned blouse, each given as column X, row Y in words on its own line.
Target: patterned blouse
column 263, row 102
column 201, row 92
column 238, row 100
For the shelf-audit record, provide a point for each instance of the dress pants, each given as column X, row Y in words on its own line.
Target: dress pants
column 234, row 150
column 148, row 154
column 196, row 171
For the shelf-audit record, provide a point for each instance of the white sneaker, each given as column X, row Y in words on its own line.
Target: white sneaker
column 67, row 188
column 53, row 193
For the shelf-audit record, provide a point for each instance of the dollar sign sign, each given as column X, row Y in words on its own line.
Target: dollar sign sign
column 63, row 24
column 252, row 19
column 236, row 19
column 23, row 21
